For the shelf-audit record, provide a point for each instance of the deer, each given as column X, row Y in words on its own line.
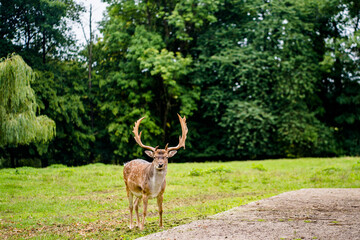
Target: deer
column 145, row 180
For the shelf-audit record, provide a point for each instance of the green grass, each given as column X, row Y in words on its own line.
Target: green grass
column 90, row 201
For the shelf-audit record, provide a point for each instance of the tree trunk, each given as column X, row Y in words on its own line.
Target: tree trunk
column 44, row 48
column 91, row 156
column 12, row 157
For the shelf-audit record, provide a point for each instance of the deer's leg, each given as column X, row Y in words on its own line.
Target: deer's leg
column 145, row 201
column 136, row 205
column 130, row 196
column 159, row 202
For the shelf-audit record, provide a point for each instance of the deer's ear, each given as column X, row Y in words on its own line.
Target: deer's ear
column 150, row 153
column 172, row 153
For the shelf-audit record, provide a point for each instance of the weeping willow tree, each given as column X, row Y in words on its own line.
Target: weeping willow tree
column 19, row 124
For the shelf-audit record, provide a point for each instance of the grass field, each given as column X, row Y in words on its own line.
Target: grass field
column 90, row 201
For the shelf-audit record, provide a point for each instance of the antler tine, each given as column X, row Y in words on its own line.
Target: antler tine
column 137, row 136
column 182, row 138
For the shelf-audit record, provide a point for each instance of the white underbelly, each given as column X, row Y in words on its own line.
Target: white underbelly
column 154, row 192
column 137, row 194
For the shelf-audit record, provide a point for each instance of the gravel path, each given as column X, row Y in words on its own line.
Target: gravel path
column 303, row 214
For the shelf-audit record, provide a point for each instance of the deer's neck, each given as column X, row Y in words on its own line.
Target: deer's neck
column 157, row 175
column 156, row 180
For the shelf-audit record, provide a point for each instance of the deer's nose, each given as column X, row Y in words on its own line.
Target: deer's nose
column 161, row 165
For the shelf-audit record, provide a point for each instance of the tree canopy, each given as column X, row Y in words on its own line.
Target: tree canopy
column 19, row 123
column 256, row 79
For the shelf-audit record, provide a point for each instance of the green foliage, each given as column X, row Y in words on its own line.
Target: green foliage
column 258, row 83
column 219, row 170
column 19, row 123
column 188, row 17
column 37, row 28
column 259, row 167
column 57, row 166
column 68, row 105
column 255, row 79
column 249, row 127
column 342, row 87
column 145, row 75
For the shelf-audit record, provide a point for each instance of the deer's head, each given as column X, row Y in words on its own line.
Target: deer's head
column 161, row 156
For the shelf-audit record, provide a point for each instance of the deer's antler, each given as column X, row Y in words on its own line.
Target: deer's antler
column 182, row 138
column 137, row 136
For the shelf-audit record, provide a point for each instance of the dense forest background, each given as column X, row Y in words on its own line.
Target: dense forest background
column 256, row 79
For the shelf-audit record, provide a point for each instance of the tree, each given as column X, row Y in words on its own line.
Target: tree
column 258, row 65
column 64, row 98
column 19, row 123
column 256, row 79
column 40, row 32
column 36, row 29
column 340, row 82
column 145, row 61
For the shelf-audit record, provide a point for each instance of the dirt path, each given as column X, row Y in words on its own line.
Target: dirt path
column 303, row 214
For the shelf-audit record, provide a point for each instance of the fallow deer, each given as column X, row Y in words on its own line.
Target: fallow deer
column 146, row 180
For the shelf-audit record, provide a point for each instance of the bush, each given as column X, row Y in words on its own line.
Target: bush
column 57, row 166
column 200, row 172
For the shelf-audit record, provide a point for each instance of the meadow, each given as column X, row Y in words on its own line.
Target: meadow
column 90, row 201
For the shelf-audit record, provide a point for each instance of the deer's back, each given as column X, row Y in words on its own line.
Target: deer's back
column 135, row 168
column 134, row 175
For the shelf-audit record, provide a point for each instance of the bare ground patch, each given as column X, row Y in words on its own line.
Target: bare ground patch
column 302, row 214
